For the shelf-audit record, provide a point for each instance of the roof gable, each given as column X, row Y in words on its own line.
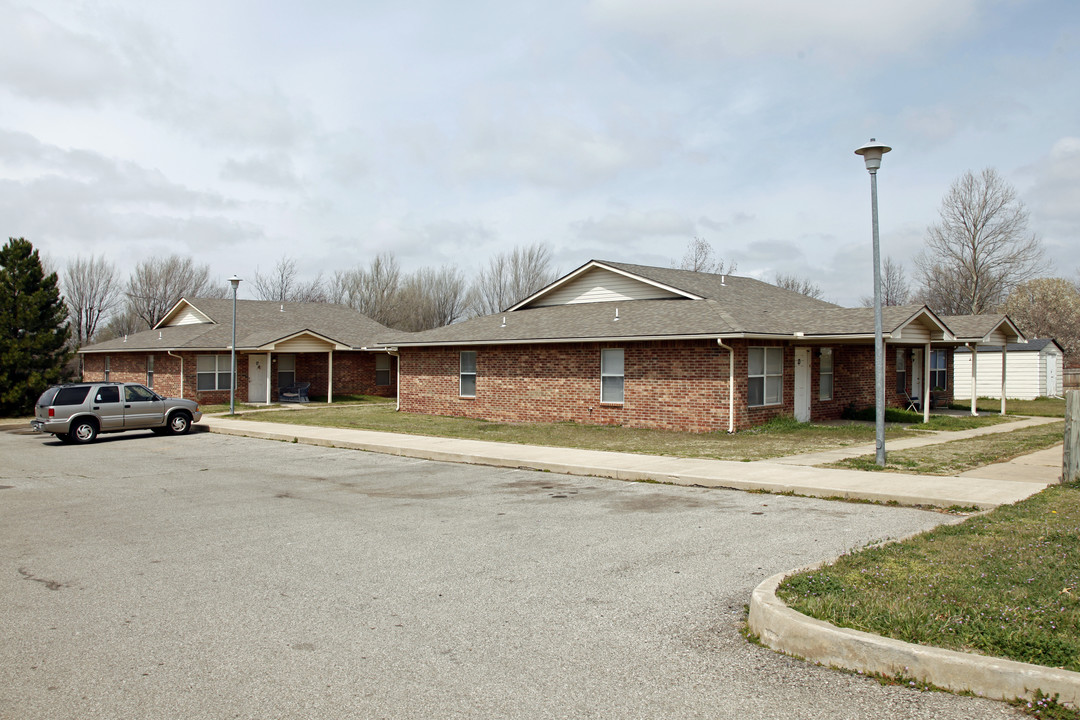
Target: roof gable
column 183, row 313
column 596, row 281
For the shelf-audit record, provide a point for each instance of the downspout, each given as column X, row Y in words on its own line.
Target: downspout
column 731, row 384
column 181, row 358
column 397, row 385
column 974, row 376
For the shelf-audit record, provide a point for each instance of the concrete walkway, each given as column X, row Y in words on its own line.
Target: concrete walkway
column 774, row 476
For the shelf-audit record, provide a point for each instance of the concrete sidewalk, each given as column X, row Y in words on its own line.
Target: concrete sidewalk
column 770, row 476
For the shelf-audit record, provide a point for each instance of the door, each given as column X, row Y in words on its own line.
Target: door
column 108, row 407
column 916, row 375
column 1051, row 375
column 257, row 375
column 802, row 384
column 142, row 408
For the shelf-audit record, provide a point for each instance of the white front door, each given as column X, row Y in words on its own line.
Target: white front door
column 802, row 384
column 1051, row 375
column 257, row 374
column 916, row 374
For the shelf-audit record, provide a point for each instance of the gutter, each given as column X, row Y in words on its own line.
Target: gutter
column 731, row 384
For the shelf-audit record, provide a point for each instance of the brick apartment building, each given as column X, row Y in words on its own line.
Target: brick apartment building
column 188, row 353
column 639, row 346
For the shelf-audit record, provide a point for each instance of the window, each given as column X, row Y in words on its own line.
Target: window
column 901, row 370
column 382, row 370
column 212, row 372
column 939, row 375
column 106, row 368
column 825, row 375
column 467, row 374
column 137, row 393
column 286, row 370
column 611, row 376
column 71, row 395
column 766, row 371
column 110, row 394
column 150, row 371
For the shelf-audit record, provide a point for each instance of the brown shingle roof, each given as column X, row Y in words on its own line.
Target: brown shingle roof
column 258, row 323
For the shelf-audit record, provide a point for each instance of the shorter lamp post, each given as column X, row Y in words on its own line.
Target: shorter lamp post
column 871, row 153
column 235, row 282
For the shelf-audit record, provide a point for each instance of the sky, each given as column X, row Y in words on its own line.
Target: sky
column 329, row 131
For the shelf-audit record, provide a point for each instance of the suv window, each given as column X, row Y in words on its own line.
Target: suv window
column 108, row 394
column 137, row 393
column 71, row 395
column 47, row 397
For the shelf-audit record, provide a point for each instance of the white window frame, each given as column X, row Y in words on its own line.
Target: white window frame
column 825, row 375
column 901, row 370
column 150, row 371
column 383, row 374
column 943, row 370
column 612, row 368
column 283, row 360
column 773, row 379
column 464, row 373
column 107, row 369
column 220, row 376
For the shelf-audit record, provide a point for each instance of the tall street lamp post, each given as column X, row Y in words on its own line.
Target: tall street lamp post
column 235, row 282
column 871, row 153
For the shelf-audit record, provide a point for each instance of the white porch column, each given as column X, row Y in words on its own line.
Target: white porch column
column 269, row 374
column 926, row 384
column 1003, row 351
column 330, row 376
column 974, row 375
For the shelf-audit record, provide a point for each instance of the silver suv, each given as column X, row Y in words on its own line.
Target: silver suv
column 79, row 411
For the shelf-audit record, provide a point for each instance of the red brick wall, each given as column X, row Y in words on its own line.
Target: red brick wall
column 354, row 373
column 676, row 385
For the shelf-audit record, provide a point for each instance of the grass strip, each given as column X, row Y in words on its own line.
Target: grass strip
column 1005, row 584
column 1041, row 406
column 955, row 457
column 783, row 436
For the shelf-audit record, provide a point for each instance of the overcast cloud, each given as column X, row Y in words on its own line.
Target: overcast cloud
column 330, row 131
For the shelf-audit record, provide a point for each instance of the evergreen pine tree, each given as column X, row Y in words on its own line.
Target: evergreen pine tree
column 33, row 328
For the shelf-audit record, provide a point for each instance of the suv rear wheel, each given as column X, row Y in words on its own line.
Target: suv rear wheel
column 179, row 423
column 83, row 431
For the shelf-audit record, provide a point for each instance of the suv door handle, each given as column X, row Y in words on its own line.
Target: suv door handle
column 127, row 406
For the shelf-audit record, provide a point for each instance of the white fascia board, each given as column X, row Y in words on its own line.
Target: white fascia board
column 597, row 264
column 561, row 340
column 311, row 333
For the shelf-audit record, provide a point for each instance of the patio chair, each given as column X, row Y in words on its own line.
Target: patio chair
column 912, row 403
column 295, row 393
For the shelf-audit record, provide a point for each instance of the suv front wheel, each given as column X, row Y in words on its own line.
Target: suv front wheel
column 83, row 431
column 179, row 423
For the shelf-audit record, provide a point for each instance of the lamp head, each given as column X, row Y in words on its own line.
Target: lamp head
column 235, row 282
column 872, row 152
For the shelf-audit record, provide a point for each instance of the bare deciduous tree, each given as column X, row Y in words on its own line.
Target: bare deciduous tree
column 512, row 277
column 157, row 284
column 980, row 249
column 803, row 286
column 284, row 285
column 701, row 257
column 1048, row 308
column 431, row 298
column 894, row 286
column 91, row 291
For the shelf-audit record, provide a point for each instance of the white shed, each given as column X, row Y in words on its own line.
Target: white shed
column 1033, row 369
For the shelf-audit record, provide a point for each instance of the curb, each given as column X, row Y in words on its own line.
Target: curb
column 786, row 630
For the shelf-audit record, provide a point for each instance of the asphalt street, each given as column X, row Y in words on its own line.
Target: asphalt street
column 209, row 576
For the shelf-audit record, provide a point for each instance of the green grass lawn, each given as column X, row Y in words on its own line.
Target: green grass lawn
column 1043, row 406
column 955, row 457
column 779, row 438
column 339, row 400
column 1005, row 584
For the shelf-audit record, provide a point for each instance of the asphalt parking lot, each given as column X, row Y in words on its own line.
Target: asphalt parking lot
column 209, row 576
